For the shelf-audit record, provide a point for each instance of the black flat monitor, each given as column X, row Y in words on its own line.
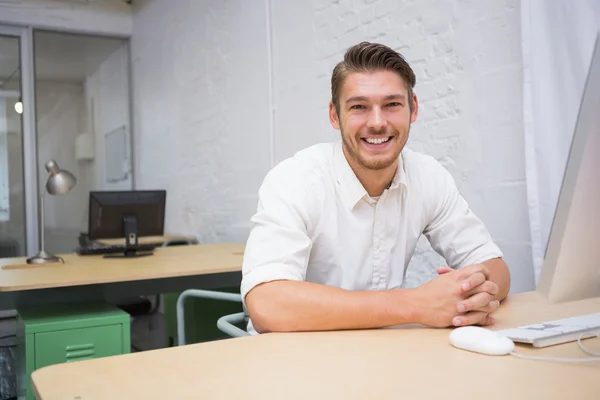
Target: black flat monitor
column 127, row 214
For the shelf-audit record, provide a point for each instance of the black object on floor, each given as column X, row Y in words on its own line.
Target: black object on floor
column 135, row 306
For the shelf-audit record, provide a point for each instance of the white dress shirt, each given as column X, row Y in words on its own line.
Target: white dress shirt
column 315, row 222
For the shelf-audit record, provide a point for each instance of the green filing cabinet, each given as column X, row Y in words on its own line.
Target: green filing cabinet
column 68, row 333
column 201, row 317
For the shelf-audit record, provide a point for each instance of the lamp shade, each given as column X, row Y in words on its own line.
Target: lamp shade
column 59, row 181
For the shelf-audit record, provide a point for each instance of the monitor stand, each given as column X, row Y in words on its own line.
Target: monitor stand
column 131, row 240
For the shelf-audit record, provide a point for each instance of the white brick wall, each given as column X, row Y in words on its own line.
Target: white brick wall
column 201, row 93
column 201, row 112
column 107, row 90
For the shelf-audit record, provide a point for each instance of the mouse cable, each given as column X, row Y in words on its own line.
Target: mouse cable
column 590, row 352
column 595, row 358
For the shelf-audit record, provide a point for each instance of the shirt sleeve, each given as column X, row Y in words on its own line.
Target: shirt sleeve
column 278, row 246
column 453, row 230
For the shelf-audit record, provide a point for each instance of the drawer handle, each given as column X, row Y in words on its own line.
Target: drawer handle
column 80, row 347
column 79, row 354
column 79, row 351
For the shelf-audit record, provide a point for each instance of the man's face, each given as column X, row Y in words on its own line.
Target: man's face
column 374, row 118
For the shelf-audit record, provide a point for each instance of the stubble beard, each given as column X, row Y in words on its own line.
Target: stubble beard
column 378, row 164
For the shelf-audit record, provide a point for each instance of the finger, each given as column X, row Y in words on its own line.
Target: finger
column 472, row 318
column 489, row 320
column 487, row 286
column 473, row 281
column 443, row 270
column 474, row 302
column 473, row 269
column 490, row 308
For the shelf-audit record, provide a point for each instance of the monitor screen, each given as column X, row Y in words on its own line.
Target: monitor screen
column 109, row 208
column 571, row 269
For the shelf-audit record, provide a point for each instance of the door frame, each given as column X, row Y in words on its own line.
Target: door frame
column 30, row 175
column 31, row 178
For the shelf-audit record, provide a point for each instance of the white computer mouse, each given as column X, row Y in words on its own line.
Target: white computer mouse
column 481, row 340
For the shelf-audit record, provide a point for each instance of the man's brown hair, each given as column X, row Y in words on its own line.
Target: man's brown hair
column 370, row 57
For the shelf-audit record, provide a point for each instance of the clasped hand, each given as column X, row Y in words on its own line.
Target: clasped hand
column 461, row 297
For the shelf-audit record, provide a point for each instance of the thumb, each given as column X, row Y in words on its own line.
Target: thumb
column 443, row 270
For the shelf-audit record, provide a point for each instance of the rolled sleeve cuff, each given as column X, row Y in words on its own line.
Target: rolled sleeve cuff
column 483, row 253
column 268, row 273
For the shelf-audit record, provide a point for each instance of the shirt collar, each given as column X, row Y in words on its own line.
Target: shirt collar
column 351, row 189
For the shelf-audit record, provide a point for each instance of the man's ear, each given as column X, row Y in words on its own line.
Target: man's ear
column 415, row 111
column 333, row 117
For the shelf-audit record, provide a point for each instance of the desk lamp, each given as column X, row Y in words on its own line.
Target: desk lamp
column 59, row 182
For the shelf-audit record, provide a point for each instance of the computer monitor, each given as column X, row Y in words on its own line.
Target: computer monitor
column 571, row 268
column 127, row 214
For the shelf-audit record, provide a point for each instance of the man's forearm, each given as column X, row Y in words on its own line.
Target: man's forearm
column 500, row 275
column 304, row 306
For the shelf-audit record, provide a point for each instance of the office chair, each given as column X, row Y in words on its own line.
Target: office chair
column 225, row 324
column 166, row 243
column 145, row 305
column 142, row 305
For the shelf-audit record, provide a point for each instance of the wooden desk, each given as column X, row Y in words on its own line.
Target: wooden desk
column 86, row 277
column 167, row 262
column 410, row 362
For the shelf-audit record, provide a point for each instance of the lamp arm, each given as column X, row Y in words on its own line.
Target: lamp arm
column 42, row 257
column 42, row 194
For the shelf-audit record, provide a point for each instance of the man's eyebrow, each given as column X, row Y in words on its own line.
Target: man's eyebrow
column 356, row 98
column 396, row 96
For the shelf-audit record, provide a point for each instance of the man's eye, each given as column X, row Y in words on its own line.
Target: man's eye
column 357, row 107
column 394, row 104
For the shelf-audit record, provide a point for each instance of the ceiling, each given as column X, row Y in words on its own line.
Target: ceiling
column 58, row 56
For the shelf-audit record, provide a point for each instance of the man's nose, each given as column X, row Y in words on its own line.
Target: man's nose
column 376, row 120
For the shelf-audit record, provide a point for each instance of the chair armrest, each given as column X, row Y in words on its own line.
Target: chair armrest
column 202, row 294
column 226, row 324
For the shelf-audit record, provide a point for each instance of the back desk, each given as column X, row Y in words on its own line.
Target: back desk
column 80, row 278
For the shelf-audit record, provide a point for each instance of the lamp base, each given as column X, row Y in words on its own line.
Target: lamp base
column 44, row 258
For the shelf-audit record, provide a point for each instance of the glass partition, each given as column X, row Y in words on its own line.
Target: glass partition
column 83, row 123
column 12, row 194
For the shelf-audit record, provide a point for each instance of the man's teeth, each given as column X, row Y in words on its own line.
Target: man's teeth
column 377, row 141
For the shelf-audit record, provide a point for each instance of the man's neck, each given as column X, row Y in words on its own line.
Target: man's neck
column 374, row 181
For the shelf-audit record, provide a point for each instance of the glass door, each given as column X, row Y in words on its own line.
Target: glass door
column 82, row 123
column 18, row 177
column 67, row 101
column 13, row 238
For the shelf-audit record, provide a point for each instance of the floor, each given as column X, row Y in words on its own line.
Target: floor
column 148, row 332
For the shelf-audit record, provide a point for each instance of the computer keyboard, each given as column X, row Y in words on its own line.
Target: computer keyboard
column 111, row 249
column 557, row 331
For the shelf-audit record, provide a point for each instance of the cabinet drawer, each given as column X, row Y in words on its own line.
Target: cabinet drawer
column 77, row 344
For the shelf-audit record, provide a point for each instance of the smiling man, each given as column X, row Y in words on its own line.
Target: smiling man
column 338, row 223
